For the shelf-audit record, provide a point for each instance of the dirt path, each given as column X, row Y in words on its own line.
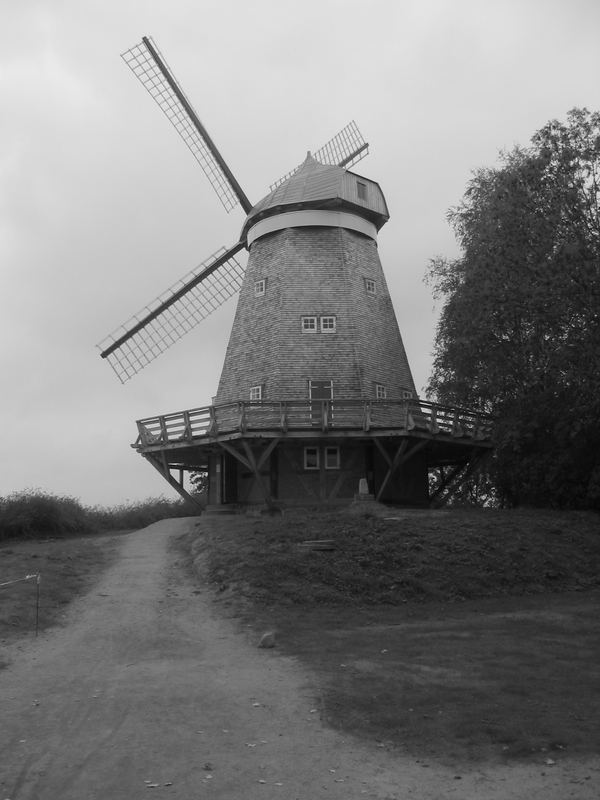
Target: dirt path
column 147, row 693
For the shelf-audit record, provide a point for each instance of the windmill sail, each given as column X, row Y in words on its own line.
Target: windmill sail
column 151, row 69
column 175, row 312
column 345, row 149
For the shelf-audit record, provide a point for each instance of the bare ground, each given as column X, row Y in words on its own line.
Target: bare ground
column 146, row 690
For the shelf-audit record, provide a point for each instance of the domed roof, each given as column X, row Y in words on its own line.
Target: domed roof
column 322, row 186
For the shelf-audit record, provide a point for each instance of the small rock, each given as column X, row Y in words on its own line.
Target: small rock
column 267, row 639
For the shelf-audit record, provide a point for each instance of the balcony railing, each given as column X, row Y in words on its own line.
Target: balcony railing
column 197, row 424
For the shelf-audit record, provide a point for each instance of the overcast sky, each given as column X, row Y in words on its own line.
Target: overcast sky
column 102, row 206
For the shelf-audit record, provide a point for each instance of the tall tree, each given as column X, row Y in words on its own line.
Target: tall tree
column 519, row 331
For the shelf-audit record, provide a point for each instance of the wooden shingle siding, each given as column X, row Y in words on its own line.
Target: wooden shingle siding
column 314, row 272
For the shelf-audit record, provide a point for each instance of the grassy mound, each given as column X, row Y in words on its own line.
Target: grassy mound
column 400, row 556
column 394, row 657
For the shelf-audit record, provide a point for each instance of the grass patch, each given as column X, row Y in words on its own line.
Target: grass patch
column 451, row 634
column 68, row 568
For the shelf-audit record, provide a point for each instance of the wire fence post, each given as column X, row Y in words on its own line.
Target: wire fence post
column 37, row 603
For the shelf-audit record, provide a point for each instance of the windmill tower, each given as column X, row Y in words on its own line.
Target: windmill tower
column 316, row 393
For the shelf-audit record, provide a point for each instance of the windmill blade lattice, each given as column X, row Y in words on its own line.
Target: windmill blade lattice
column 175, row 312
column 150, row 68
column 345, row 149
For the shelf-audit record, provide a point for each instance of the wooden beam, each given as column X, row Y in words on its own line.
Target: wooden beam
column 163, row 468
column 267, row 452
column 343, row 475
column 445, row 481
column 256, row 470
column 401, row 457
column 458, row 475
column 236, row 454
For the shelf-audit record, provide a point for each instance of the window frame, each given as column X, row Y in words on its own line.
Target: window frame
column 380, row 391
column 328, row 317
column 306, row 319
column 257, row 389
column 369, row 282
column 260, row 287
column 317, row 458
column 336, row 451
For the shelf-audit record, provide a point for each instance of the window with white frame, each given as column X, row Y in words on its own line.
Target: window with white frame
column 260, row 287
column 328, row 324
column 370, row 286
column 309, row 324
column 332, row 458
column 380, row 391
column 256, row 393
column 311, row 458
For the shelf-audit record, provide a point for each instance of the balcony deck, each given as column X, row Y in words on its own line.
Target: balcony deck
column 307, row 419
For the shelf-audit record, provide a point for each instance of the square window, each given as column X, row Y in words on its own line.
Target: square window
column 370, row 286
column 309, row 324
column 328, row 324
column 361, row 189
column 332, row 458
column 260, row 287
column 311, row 458
column 256, row 393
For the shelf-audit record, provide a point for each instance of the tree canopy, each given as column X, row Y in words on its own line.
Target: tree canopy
column 519, row 330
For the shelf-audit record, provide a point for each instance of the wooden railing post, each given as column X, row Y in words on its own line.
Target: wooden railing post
column 163, row 430
column 187, row 426
column 283, row 417
column 213, row 427
column 242, row 417
column 142, row 433
column 367, row 415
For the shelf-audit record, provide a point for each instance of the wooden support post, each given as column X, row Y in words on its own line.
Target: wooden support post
column 256, row 470
column 401, row 457
column 460, row 473
column 236, row 454
column 163, row 468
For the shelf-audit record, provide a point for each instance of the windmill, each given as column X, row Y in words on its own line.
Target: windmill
column 316, row 395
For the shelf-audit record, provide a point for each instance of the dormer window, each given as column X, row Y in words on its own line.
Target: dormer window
column 361, row 189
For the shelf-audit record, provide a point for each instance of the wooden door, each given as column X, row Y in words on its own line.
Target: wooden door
column 321, row 395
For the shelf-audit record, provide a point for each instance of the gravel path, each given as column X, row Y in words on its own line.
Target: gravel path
column 147, row 693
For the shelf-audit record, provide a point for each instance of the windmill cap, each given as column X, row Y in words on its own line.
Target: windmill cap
column 322, row 186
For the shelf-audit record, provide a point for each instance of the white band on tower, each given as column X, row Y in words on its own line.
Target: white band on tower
column 311, row 218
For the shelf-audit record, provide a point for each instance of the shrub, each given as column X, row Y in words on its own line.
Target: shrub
column 129, row 516
column 33, row 513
